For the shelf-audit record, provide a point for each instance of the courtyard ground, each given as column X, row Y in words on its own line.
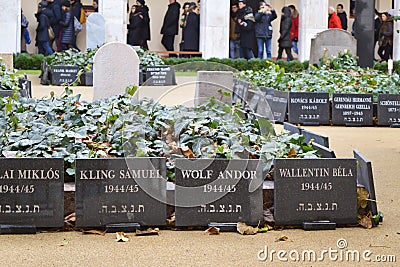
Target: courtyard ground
column 195, row 248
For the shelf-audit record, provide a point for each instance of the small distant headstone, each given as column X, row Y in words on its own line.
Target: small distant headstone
column 330, row 42
column 365, row 177
column 32, row 192
column 389, row 110
column 320, row 139
column 26, row 87
column 213, row 84
column 64, row 74
column 293, row 129
column 323, row 151
column 115, row 191
column 309, row 108
column 95, row 30
column 115, row 67
column 352, row 109
column 309, row 190
column 278, row 102
column 160, row 76
column 240, row 91
column 218, row 190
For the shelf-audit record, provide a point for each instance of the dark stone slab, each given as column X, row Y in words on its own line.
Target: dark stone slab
column 278, row 102
column 160, row 76
column 26, row 87
column 87, row 79
column 388, row 110
column 308, row 108
column 253, row 102
column 113, row 191
column 308, row 190
column 365, row 177
column 32, row 192
column 323, row 151
column 364, row 32
column 63, row 74
column 45, row 73
column 320, row 139
column 240, row 91
column 352, row 109
column 206, row 193
column 293, row 129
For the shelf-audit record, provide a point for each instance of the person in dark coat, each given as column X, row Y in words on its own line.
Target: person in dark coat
column 135, row 27
column 146, row 23
column 185, row 12
column 25, row 38
column 76, row 7
column 342, row 16
column 170, row 25
column 377, row 26
column 192, row 29
column 96, row 5
column 55, row 6
column 246, row 23
column 385, row 50
column 264, row 17
column 285, row 41
column 42, row 30
column 68, row 31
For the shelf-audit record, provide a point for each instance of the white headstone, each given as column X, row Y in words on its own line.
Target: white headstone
column 95, row 30
column 214, row 25
column 209, row 83
column 331, row 42
column 115, row 66
column 10, row 24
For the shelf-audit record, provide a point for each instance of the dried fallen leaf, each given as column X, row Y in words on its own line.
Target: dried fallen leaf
column 71, row 217
column 96, row 232
column 171, row 220
column 121, row 237
column 362, row 197
column 187, row 152
column 282, row 238
column 149, row 231
column 212, row 230
column 292, row 153
column 366, row 222
column 244, row 229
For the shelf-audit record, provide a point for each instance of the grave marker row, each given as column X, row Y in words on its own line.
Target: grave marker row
column 133, row 191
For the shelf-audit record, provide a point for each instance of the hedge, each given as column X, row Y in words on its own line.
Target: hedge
column 33, row 62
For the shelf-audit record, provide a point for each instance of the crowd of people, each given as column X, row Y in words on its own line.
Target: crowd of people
column 59, row 22
column 247, row 26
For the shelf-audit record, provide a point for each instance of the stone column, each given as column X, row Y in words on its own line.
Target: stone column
column 10, row 25
column 114, row 13
column 313, row 19
column 396, row 35
column 214, row 28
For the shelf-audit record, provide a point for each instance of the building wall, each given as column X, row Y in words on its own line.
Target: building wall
column 158, row 9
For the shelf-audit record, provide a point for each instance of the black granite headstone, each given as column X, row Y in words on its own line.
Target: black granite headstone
column 32, row 192
column 323, row 151
column 61, row 74
column 160, row 76
column 293, row 129
column 252, row 104
column 364, row 32
column 115, row 191
column 240, row 91
column 309, row 108
column 389, row 110
column 365, row 177
column 218, row 190
column 278, row 102
column 322, row 140
column 352, row 109
column 308, row 190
